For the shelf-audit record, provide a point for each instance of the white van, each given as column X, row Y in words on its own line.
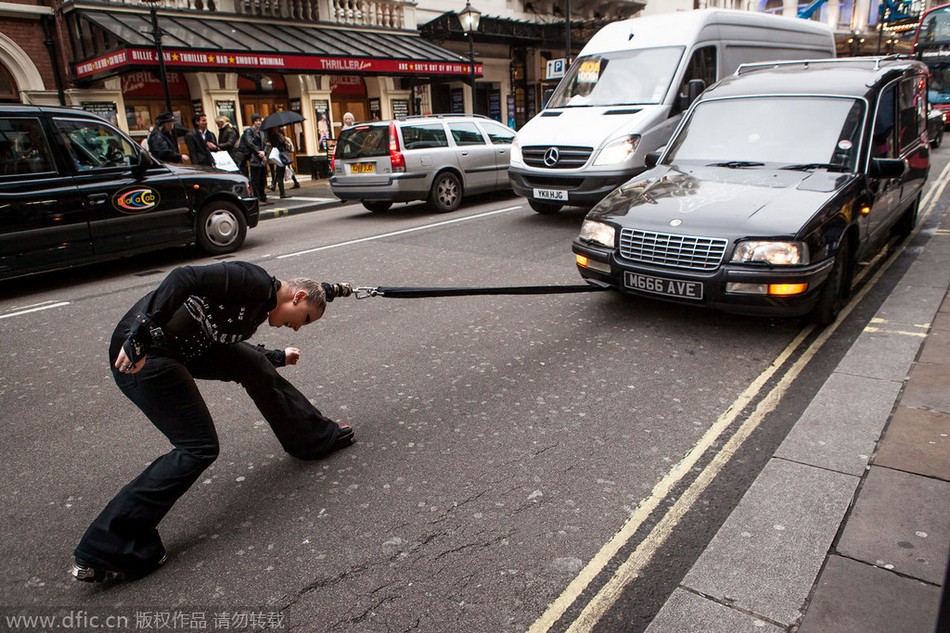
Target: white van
column 625, row 93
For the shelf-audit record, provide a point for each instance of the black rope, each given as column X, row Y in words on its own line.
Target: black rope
column 418, row 293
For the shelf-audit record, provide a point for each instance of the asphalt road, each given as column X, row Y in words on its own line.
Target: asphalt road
column 504, row 443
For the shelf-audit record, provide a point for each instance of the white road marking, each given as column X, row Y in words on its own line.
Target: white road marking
column 38, row 307
column 402, row 232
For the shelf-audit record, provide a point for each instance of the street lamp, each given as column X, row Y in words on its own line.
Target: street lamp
column 157, row 38
column 469, row 18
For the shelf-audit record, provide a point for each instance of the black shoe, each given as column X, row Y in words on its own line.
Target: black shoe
column 264, row 203
column 85, row 572
column 272, row 187
column 296, row 185
column 344, row 437
column 285, row 196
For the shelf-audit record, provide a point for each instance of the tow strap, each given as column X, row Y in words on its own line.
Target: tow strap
column 419, row 293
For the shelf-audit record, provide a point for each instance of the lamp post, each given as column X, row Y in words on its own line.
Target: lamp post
column 157, row 37
column 469, row 18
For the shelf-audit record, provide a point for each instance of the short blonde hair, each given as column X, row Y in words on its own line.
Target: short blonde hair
column 315, row 294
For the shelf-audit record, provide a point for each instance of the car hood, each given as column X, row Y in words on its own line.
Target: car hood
column 587, row 126
column 719, row 201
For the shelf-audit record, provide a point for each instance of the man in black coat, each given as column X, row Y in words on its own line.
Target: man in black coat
column 162, row 142
column 252, row 145
column 201, row 142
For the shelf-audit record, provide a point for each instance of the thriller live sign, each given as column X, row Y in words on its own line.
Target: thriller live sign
column 224, row 61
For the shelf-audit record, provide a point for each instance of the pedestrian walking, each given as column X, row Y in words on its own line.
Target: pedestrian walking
column 252, row 146
column 162, row 142
column 193, row 326
column 275, row 140
column 201, row 142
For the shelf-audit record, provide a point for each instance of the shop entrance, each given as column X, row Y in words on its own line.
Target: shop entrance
column 144, row 99
column 347, row 94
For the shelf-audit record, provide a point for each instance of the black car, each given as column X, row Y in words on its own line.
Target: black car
column 778, row 181
column 74, row 190
column 936, row 122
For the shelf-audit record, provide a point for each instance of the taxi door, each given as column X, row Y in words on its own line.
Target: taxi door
column 41, row 220
column 130, row 200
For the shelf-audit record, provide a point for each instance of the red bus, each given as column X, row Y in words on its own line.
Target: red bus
column 932, row 46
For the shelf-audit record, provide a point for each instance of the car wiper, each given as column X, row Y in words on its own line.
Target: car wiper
column 736, row 164
column 808, row 166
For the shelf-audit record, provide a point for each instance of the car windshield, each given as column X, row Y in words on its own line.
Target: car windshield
column 618, row 78
column 791, row 131
column 938, row 90
column 362, row 141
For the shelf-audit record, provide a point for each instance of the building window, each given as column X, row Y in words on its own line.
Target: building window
column 8, row 88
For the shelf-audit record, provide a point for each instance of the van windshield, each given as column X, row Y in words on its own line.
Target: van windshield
column 792, row 131
column 618, row 78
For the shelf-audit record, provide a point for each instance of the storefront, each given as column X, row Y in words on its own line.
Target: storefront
column 236, row 67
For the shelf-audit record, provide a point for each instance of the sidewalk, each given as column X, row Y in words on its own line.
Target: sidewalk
column 313, row 194
column 846, row 529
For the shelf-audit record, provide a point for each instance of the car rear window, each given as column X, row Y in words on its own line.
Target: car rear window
column 362, row 141
column 23, row 148
column 422, row 136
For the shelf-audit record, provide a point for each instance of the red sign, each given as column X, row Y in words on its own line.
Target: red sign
column 224, row 61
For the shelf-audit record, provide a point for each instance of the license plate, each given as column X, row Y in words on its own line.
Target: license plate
column 363, row 168
column 663, row 286
column 550, row 194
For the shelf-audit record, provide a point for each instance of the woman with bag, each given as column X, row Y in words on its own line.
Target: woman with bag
column 278, row 156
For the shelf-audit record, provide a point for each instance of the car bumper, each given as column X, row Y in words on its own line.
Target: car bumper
column 394, row 188
column 583, row 190
column 252, row 211
column 683, row 286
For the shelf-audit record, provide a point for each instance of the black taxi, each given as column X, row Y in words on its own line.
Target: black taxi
column 74, row 189
column 778, row 181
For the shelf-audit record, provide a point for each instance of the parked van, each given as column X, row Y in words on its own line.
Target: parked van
column 627, row 90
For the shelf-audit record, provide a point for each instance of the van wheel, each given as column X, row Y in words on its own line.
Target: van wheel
column 446, row 193
column 905, row 225
column 377, row 207
column 837, row 287
column 221, row 228
column 544, row 208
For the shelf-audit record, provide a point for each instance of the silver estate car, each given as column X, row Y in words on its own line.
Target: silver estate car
column 439, row 158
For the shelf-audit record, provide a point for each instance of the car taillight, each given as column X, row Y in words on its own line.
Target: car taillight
column 333, row 162
column 395, row 156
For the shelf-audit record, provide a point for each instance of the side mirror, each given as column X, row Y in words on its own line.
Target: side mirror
column 694, row 88
column 886, row 168
column 653, row 158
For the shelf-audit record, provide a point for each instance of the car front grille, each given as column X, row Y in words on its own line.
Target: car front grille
column 678, row 251
column 568, row 156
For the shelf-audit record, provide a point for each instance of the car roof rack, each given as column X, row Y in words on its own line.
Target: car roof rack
column 875, row 62
column 447, row 115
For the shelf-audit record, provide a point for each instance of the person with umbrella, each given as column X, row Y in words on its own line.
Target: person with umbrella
column 276, row 140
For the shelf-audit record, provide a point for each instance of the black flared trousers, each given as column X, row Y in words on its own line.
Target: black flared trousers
column 124, row 537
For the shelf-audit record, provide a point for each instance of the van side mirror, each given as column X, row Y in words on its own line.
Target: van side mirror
column 694, row 88
column 887, row 168
column 652, row 158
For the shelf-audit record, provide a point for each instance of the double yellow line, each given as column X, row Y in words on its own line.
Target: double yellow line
column 629, row 570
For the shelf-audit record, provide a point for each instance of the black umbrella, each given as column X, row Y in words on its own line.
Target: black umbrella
column 280, row 119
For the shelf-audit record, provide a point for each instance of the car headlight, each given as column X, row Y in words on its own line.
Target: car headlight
column 597, row 232
column 516, row 152
column 619, row 150
column 775, row 253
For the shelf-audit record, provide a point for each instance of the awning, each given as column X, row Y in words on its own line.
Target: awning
column 212, row 44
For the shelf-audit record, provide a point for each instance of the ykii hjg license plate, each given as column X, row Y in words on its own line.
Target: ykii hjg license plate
column 558, row 195
column 363, row 168
column 665, row 287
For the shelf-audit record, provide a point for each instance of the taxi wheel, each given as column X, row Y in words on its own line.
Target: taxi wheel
column 544, row 208
column 377, row 207
column 446, row 193
column 836, row 289
column 905, row 225
column 221, row 228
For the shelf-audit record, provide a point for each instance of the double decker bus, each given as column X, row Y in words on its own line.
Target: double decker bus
column 932, row 46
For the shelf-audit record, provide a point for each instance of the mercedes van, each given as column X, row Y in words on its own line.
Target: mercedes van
column 627, row 90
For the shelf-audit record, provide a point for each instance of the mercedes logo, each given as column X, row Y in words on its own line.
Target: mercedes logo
column 551, row 156
column 675, row 222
